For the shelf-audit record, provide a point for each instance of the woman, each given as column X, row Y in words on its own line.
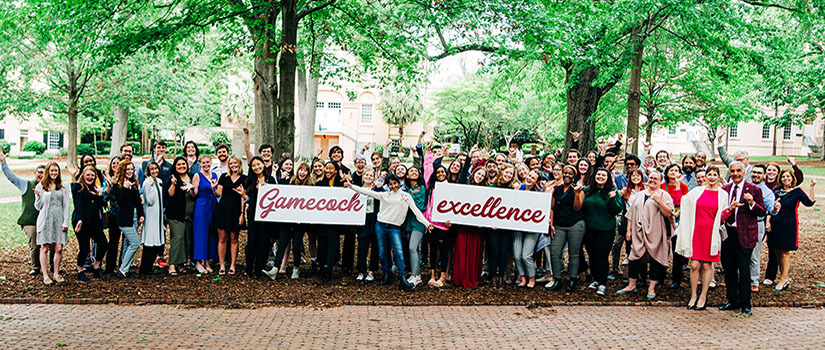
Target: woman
column 192, row 155
column 548, row 165
column 328, row 240
column 179, row 213
column 440, row 254
column 126, row 192
column 524, row 243
column 628, row 194
column 312, row 236
column 676, row 189
column 650, row 225
column 499, row 241
column 284, row 173
column 111, row 217
column 521, row 173
column 533, row 163
column 203, row 186
column 784, row 222
column 600, row 207
column 259, row 232
column 367, row 241
column 154, row 226
column 566, row 227
column 414, row 186
column 393, row 211
column 289, row 232
column 585, row 169
column 699, row 239
column 545, row 239
column 229, row 213
column 772, row 174
column 52, row 199
column 87, row 197
column 469, row 243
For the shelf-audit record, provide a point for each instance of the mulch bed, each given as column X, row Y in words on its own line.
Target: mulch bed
column 808, row 269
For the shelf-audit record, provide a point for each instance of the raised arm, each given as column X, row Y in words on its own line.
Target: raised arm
column 417, row 212
column 364, row 191
column 246, row 144
column 22, row 185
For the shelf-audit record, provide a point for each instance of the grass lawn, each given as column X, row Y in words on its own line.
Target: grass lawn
column 11, row 235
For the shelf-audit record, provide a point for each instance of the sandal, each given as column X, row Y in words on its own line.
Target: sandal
column 47, row 281
column 231, row 271
column 222, row 272
column 59, row 279
column 173, row 273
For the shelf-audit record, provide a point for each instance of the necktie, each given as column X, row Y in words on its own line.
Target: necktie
column 732, row 218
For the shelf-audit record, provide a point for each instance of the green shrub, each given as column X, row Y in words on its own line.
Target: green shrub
column 35, row 146
column 85, row 148
column 135, row 146
column 218, row 138
column 6, row 146
column 102, row 147
column 63, row 152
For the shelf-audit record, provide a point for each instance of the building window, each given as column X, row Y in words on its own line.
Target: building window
column 671, row 130
column 2, row 133
column 54, row 140
column 766, row 131
column 24, row 132
column 786, row 131
column 733, row 132
column 319, row 105
column 366, row 113
column 334, row 105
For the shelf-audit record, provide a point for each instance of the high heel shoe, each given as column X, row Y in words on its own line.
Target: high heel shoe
column 692, row 307
column 700, row 308
column 783, row 286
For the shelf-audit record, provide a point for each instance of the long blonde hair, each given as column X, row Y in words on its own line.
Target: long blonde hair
column 47, row 182
column 240, row 164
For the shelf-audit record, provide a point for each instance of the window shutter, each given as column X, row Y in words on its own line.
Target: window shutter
column 46, row 138
column 60, row 140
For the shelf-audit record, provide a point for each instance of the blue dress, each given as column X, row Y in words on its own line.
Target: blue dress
column 206, row 244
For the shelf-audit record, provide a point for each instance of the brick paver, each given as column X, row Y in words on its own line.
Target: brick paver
column 109, row 326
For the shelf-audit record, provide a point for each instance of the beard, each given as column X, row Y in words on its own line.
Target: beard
column 689, row 170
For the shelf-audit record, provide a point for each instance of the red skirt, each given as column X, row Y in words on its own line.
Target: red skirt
column 467, row 258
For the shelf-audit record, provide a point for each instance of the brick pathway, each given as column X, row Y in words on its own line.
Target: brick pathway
column 106, row 326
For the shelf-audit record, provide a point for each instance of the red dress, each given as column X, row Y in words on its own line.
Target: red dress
column 706, row 208
column 467, row 257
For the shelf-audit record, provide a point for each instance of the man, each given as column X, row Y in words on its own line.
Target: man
column 742, row 227
column 701, row 160
column 222, row 152
column 360, row 167
column 738, row 156
column 663, row 160
column 265, row 151
column 336, row 155
column 514, row 153
column 572, row 157
column 689, row 172
column 159, row 157
column 758, row 175
column 610, row 164
column 28, row 218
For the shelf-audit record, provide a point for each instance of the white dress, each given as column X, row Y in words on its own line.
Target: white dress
column 154, row 228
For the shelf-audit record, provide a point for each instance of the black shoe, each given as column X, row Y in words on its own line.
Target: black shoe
column 747, row 311
column 97, row 273
column 613, row 276
column 405, row 285
column 387, row 279
column 571, row 286
column 728, row 306
column 34, row 272
column 691, row 307
column 81, row 276
column 326, row 274
column 556, row 285
column 701, row 308
column 674, row 285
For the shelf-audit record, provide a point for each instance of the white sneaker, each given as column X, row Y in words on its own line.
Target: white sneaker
column 767, row 282
column 593, row 285
column 295, row 273
column 601, row 291
column 360, row 277
column 369, row 278
column 272, row 273
column 414, row 280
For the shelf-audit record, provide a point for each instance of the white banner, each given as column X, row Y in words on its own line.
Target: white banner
column 310, row 204
column 491, row 207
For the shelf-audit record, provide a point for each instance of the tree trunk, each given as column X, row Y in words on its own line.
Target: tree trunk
column 634, row 92
column 119, row 129
column 308, row 81
column 648, row 131
column 74, row 91
column 582, row 101
column 284, row 128
column 775, row 116
column 264, row 78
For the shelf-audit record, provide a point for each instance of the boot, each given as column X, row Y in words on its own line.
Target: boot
column 405, row 285
column 387, row 279
column 556, row 285
column 571, row 286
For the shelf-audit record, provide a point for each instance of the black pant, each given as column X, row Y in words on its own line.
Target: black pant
column 425, row 249
column 598, row 244
column 678, row 263
column 95, row 232
column 773, row 265
column 257, row 246
column 367, row 240
column 620, row 239
column 348, row 248
column 328, row 241
column 147, row 259
column 736, row 261
column 113, row 245
column 289, row 232
column 444, row 239
column 500, row 243
column 637, row 267
column 405, row 243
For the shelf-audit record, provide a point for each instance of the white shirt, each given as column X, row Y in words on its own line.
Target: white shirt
column 394, row 206
column 738, row 188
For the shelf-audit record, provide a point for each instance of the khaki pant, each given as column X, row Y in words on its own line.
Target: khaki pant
column 34, row 252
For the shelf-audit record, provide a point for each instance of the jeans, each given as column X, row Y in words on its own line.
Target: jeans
column 367, row 239
column 384, row 234
column 415, row 258
column 114, row 244
column 500, row 243
column 598, row 244
column 618, row 241
column 524, row 244
column 571, row 236
column 131, row 243
column 736, row 260
column 757, row 253
column 286, row 233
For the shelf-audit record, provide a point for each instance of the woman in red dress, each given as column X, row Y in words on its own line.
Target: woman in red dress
column 699, row 239
column 468, row 244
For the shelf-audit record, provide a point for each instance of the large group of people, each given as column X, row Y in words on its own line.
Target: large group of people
column 683, row 215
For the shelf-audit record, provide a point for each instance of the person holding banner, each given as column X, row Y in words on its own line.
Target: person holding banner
column 601, row 205
column 469, row 250
column 366, row 233
column 566, row 227
column 291, row 232
column 524, row 243
column 500, row 242
column 393, row 211
column 441, row 233
column 259, row 232
column 328, row 241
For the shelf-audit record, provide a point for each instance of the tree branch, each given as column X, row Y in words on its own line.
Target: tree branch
column 306, row 12
column 764, row 4
column 464, row 48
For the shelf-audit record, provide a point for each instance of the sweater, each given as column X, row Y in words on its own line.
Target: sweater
column 394, row 206
column 600, row 211
column 29, row 215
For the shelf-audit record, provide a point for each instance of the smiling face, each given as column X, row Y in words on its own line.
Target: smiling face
column 654, row 182
column 492, row 169
column 757, row 175
column 54, row 172
column 181, row 167
column 329, row 171
column 190, row 150
column 636, row 179
column 787, row 180
column 662, row 158
column 440, row 174
column 701, row 177
column 376, row 161
column 631, row 165
column 712, row 178
column 113, row 164
column 318, row 168
column 455, row 167
column 500, row 159
column 413, row 174
column 736, row 173
column 302, row 173
column 400, row 171
column 393, row 184
column 368, row 177
column 771, row 172
column 673, row 173
column 583, row 167
column 38, row 174
column 572, row 158
column 88, row 161
column 522, row 171
column 160, row 150
column 337, row 155
column 205, row 163
column 89, row 177
column 557, row 171
column 591, row 157
column 689, row 165
column 130, row 170
column 257, row 167
column 507, row 174
column 601, row 178
column 479, row 176
column 234, row 167
column 438, row 152
column 701, row 159
column 153, row 170
column 287, row 166
column 222, row 154
column 568, row 175
column 126, row 152
column 532, row 178
column 360, row 164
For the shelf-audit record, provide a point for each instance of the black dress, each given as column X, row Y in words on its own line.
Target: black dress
column 784, row 233
column 228, row 209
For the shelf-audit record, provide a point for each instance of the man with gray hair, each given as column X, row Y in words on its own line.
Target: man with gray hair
column 738, row 156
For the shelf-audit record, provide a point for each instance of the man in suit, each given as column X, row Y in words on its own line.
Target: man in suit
column 738, row 156
column 742, row 225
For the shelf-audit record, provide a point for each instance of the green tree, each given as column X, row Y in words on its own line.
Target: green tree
column 401, row 105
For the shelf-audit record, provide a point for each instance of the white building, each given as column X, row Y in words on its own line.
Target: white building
column 17, row 132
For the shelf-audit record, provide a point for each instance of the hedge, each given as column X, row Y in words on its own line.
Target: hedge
column 38, row 147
